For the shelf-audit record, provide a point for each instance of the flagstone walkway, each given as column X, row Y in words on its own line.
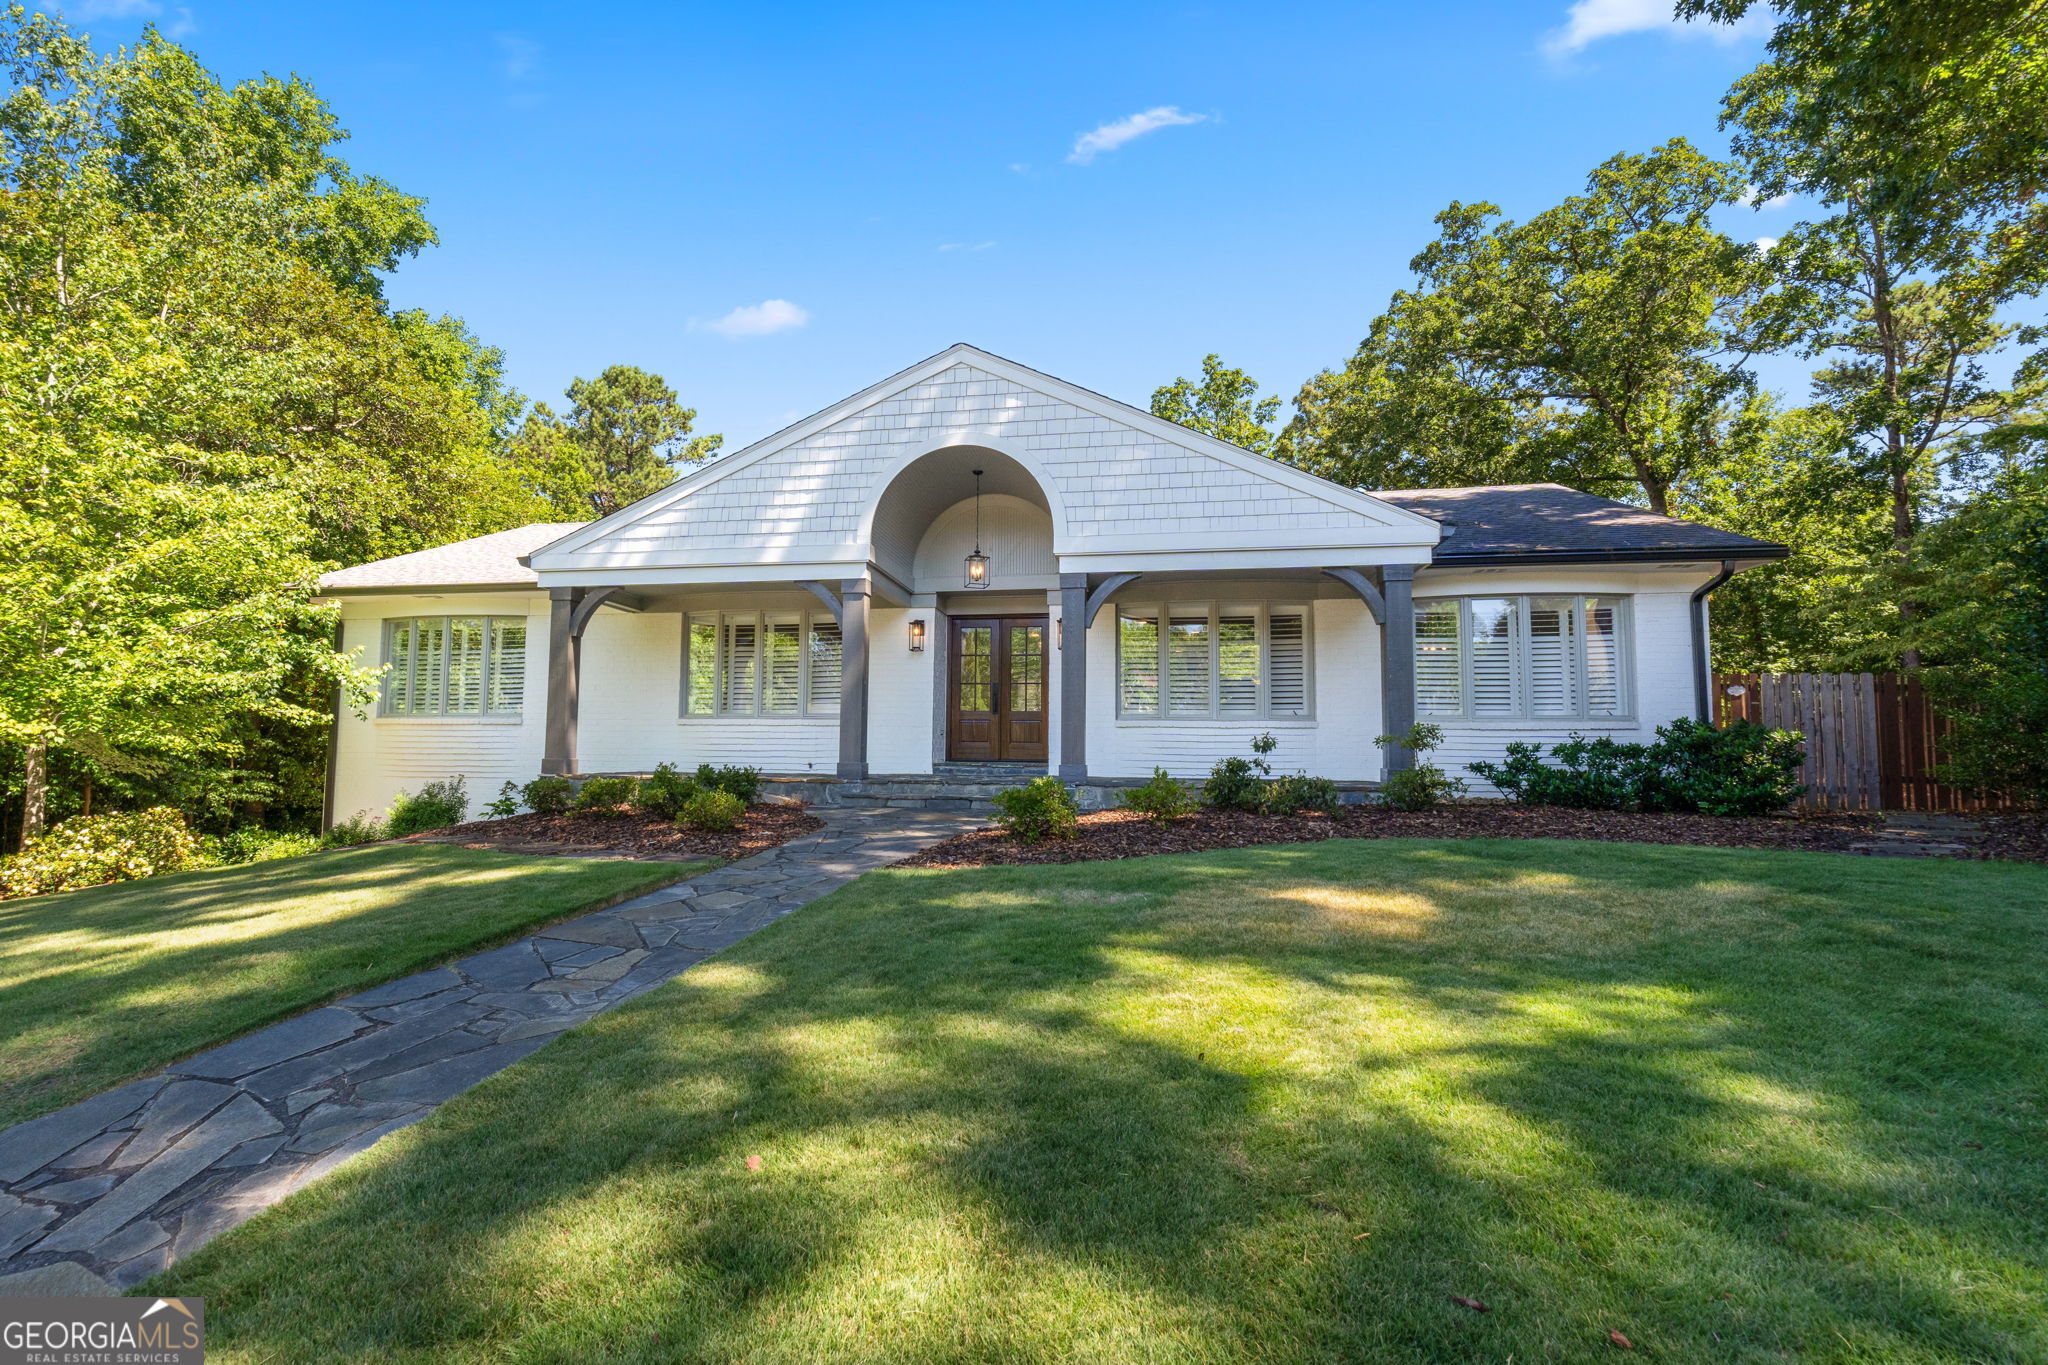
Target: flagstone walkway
column 101, row 1195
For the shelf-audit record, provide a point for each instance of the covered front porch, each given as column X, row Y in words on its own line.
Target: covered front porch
column 862, row 687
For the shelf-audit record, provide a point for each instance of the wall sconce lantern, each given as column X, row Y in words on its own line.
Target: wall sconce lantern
column 1059, row 635
column 977, row 562
column 917, row 635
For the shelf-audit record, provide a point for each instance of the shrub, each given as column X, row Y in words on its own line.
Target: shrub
column 1423, row 786
column 606, row 793
column 256, row 845
column 1040, row 809
column 434, row 806
column 713, row 810
column 92, row 850
column 664, row 793
column 1164, row 799
column 1583, row 774
column 507, row 804
column 1240, row 783
column 745, row 783
column 548, row 795
column 1298, row 792
column 360, row 828
column 1739, row 769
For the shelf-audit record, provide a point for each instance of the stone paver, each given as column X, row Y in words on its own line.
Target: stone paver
column 116, row 1187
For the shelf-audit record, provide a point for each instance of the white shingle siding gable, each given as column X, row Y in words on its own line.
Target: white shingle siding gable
column 1112, row 479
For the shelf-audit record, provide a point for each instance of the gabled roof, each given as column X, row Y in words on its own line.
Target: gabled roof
column 492, row 561
column 1352, row 499
column 1550, row 523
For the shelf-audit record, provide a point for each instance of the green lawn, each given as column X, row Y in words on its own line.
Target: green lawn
column 1272, row 1105
column 100, row 986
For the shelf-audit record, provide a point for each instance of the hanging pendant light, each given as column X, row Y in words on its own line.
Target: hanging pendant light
column 977, row 562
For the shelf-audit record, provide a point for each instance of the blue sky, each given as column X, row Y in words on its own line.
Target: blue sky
column 774, row 205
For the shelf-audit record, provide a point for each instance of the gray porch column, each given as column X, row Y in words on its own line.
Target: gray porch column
column 1397, row 658
column 1073, row 636
column 853, row 678
column 565, row 648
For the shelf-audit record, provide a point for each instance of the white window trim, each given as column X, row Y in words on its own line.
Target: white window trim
column 1520, row 667
column 1163, row 612
column 805, row 712
column 446, row 717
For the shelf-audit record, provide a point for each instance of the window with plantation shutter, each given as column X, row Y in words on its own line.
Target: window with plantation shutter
column 700, row 665
column 781, row 665
column 742, row 660
column 1237, row 665
column 782, row 680
column 1490, row 649
column 1287, row 664
column 1187, row 666
column 821, row 692
column 454, row 666
column 1526, row 658
column 466, row 666
column 1551, row 637
column 1137, row 664
column 1439, row 672
column 506, row 675
column 1207, row 662
column 1601, row 630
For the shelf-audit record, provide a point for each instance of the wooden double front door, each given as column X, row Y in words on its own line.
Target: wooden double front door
column 997, row 698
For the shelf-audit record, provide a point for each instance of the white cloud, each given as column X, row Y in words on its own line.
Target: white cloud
column 1020, row 167
column 518, row 57
column 965, row 246
column 182, row 25
column 757, row 319
column 1588, row 21
column 1776, row 201
column 1766, row 243
column 1111, row 136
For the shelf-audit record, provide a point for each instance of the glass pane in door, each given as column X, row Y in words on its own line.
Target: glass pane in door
column 1027, row 668
column 977, row 668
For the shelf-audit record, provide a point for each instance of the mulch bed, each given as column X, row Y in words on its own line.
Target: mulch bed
column 2021, row 836
column 1123, row 834
column 627, row 834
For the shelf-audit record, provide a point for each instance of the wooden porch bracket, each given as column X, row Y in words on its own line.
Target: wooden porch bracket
column 1356, row 580
column 1109, row 586
column 824, row 593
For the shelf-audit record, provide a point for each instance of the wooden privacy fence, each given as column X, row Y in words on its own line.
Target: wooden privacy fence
column 1872, row 739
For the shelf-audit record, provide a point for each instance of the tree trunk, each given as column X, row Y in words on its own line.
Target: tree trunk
column 35, row 792
column 1902, row 546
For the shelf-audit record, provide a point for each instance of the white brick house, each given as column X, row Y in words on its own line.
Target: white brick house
column 1150, row 597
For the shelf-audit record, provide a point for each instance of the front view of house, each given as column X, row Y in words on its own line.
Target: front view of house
column 973, row 563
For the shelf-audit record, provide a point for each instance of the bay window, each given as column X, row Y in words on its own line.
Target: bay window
column 745, row 663
column 1210, row 661
column 1522, row 658
column 454, row 666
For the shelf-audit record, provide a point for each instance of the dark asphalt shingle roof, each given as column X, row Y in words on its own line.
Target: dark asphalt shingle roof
column 1549, row 521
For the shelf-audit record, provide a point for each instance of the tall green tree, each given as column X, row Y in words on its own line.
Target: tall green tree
column 626, row 435
column 1915, row 105
column 1898, row 296
column 1605, row 342
column 1225, row 404
column 204, row 401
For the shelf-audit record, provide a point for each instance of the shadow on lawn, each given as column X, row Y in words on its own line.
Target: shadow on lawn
column 1075, row 1116
column 88, row 977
